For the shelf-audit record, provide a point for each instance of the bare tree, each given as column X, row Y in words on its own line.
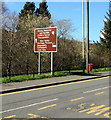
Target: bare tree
column 3, row 13
column 9, row 40
column 65, row 27
column 3, row 8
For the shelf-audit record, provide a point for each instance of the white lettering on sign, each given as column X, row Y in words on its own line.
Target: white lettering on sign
column 54, row 46
column 45, row 39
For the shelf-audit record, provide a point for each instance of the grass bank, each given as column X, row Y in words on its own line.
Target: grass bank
column 21, row 78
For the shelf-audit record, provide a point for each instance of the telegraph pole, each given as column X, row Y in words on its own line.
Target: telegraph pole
column 87, row 35
column 83, row 36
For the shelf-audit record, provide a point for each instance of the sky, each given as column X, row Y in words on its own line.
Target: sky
column 73, row 12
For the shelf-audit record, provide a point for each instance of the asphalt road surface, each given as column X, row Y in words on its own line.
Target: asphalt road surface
column 85, row 99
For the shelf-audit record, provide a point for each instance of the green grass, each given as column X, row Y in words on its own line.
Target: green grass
column 101, row 70
column 21, row 78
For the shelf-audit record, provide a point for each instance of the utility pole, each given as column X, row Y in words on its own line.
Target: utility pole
column 87, row 35
column 83, row 36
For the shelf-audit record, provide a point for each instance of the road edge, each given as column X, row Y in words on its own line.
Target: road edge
column 48, row 84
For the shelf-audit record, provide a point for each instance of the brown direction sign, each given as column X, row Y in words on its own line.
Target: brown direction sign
column 45, row 39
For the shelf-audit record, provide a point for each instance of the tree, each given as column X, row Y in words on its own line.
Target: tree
column 3, row 8
column 68, row 56
column 29, row 8
column 105, row 38
column 3, row 15
column 9, row 43
column 65, row 27
column 28, row 21
column 42, row 10
column 27, row 34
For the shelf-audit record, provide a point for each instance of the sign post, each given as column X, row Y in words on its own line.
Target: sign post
column 45, row 40
column 52, row 71
column 39, row 64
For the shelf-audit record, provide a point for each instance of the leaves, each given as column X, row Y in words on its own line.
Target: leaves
column 105, row 38
column 43, row 10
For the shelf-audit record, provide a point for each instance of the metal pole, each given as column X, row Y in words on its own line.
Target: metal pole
column 87, row 37
column 39, row 66
column 51, row 63
column 83, row 36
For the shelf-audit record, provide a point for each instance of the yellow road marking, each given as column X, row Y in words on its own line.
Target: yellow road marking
column 99, row 93
column 92, row 104
column 10, row 116
column 81, row 106
column 68, row 108
column 33, row 116
column 47, row 107
column 96, row 110
column 108, row 115
column 51, row 86
column 93, row 109
column 77, row 99
column 103, row 110
column 45, row 118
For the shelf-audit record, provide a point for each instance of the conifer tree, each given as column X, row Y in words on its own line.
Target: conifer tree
column 29, row 8
column 105, row 38
column 42, row 10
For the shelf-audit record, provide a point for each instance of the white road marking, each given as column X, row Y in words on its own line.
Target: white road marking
column 28, row 105
column 97, row 89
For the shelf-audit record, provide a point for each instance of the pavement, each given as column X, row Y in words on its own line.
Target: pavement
column 19, row 86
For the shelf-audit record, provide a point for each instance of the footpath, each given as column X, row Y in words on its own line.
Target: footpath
column 19, row 86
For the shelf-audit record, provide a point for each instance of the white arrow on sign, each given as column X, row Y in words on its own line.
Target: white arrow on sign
column 35, row 40
column 53, row 32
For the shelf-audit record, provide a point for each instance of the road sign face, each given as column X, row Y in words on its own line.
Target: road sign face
column 45, row 39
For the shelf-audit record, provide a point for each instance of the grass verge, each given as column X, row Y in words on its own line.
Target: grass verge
column 101, row 70
column 21, row 78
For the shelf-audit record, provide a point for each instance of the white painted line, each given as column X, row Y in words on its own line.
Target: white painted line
column 28, row 105
column 97, row 89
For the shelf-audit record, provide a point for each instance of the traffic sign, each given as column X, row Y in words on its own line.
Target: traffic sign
column 45, row 39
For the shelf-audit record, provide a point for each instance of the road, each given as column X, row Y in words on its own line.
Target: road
column 85, row 99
